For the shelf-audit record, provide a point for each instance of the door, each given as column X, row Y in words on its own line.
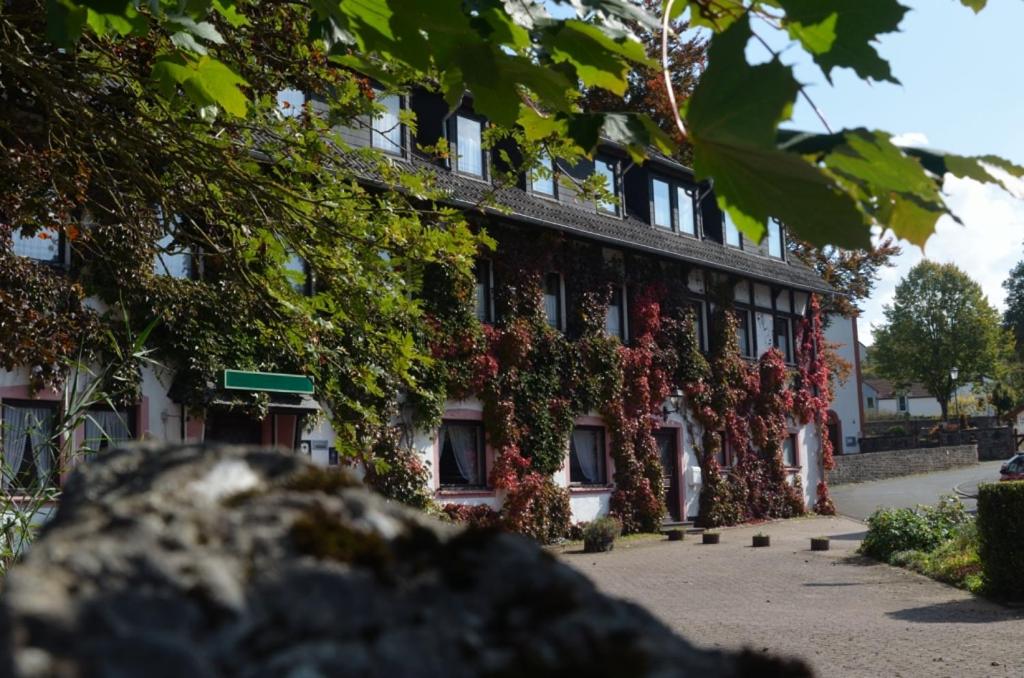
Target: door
column 667, row 440
column 233, row 428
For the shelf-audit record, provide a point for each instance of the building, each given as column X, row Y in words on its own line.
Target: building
column 883, row 399
column 662, row 226
column 846, row 416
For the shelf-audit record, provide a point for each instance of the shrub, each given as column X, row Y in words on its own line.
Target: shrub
column 473, row 515
column 1001, row 538
column 921, row 529
column 600, row 535
column 397, row 471
column 538, row 508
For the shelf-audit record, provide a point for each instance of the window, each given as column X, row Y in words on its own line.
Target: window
column 297, row 272
column 469, row 158
column 542, row 179
column 901, row 403
column 290, row 102
column 782, row 342
column 30, row 457
column 606, row 169
column 553, row 299
column 172, row 258
column 43, row 245
column 107, row 428
column 789, row 458
column 615, row 318
column 684, row 210
column 698, row 323
column 661, row 204
column 722, row 454
column 482, row 270
column 386, row 127
column 871, row 403
column 587, row 456
column 462, row 462
column 775, row 239
column 743, row 332
column 732, row 232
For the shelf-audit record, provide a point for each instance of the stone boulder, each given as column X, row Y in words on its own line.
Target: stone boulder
column 234, row 561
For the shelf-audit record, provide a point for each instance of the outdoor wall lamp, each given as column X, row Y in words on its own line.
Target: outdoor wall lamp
column 674, row 404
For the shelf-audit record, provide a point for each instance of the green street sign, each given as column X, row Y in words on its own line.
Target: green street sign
column 271, row 382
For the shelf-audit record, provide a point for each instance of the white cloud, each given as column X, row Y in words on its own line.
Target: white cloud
column 910, row 139
column 986, row 246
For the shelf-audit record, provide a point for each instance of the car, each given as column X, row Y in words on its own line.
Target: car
column 1013, row 469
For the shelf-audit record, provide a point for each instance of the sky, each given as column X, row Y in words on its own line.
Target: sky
column 960, row 91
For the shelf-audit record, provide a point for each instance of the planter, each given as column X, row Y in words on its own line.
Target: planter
column 761, row 541
column 675, row 535
column 819, row 543
column 710, row 537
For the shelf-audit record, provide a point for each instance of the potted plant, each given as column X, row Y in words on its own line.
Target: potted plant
column 819, row 543
column 710, row 537
column 675, row 534
column 761, row 540
column 599, row 535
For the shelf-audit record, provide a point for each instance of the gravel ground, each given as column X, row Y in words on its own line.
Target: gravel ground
column 845, row 615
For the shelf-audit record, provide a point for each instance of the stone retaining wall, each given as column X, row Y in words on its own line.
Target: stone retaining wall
column 858, row 468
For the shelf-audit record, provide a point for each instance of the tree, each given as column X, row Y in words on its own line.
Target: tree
column 939, row 320
column 524, row 68
column 853, row 273
column 1013, row 316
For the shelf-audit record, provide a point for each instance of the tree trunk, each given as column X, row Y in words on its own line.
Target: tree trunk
column 945, row 409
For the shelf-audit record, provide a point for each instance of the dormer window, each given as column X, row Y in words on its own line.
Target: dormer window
column 386, row 132
column 44, row 245
column 542, row 178
column 672, row 206
column 609, row 171
column 732, row 232
column 468, row 154
column 775, row 239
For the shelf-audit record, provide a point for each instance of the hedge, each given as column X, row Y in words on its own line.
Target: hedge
column 1001, row 538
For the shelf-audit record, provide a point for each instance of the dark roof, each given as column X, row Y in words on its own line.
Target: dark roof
column 886, row 389
column 519, row 205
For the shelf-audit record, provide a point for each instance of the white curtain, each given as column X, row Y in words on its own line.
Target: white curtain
column 464, row 445
column 40, row 432
column 15, row 430
column 110, row 426
column 584, row 444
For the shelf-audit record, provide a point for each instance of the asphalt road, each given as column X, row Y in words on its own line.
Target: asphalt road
column 859, row 500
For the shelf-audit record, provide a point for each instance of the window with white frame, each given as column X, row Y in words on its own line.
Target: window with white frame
column 482, row 271
column 587, row 462
column 732, row 231
column 775, row 239
column 553, row 299
column 746, row 347
column 686, row 221
column 462, row 463
column 542, row 177
column 615, row 317
column 661, row 203
column 29, row 452
column 469, row 150
column 789, row 456
column 386, row 127
column 42, row 245
column 608, row 170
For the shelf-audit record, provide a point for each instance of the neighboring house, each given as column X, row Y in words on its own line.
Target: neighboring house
column 882, row 398
column 665, row 221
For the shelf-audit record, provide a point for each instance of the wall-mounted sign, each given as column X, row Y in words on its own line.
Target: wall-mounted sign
column 271, row 382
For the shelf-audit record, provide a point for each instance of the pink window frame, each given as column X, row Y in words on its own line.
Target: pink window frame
column 435, row 470
column 609, row 463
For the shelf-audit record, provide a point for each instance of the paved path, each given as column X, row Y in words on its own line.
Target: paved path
column 846, row 616
column 859, row 500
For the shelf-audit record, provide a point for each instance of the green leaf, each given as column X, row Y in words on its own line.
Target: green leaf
column 599, row 60
column 854, row 26
column 976, row 5
column 733, row 117
column 228, row 9
column 65, row 21
column 206, row 81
